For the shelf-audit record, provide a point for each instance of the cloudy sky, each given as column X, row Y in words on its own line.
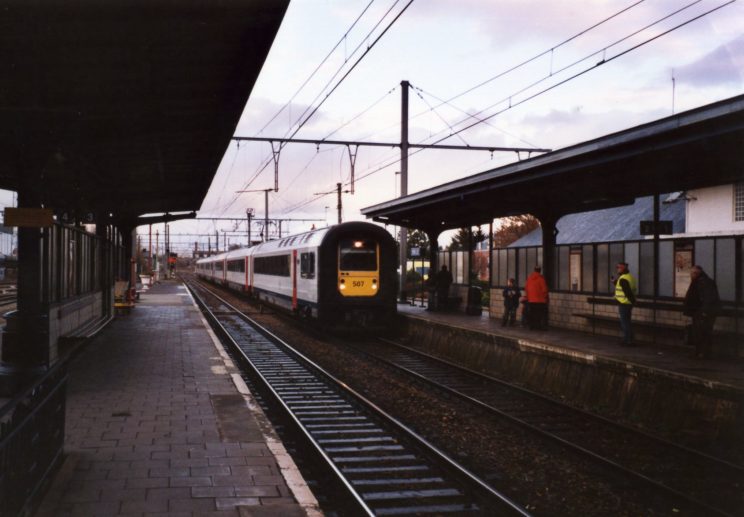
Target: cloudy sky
column 445, row 48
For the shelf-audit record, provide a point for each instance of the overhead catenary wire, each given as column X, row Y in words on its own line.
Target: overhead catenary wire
column 333, row 89
column 360, row 114
column 528, row 60
column 510, row 97
column 545, row 52
column 267, row 161
column 470, row 115
column 318, row 67
column 301, row 123
column 603, row 61
column 483, row 83
column 514, row 68
column 329, row 135
column 576, row 75
column 439, row 115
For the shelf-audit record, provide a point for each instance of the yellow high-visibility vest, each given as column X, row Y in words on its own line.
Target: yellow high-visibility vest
column 619, row 293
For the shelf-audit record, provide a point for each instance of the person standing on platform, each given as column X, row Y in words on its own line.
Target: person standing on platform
column 525, row 311
column 511, row 303
column 431, row 288
column 701, row 304
column 537, row 299
column 444, row 280
column 625, row 294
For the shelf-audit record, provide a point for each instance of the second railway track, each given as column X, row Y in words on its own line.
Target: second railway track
column 701, row 482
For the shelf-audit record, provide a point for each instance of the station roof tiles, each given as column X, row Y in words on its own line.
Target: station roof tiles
column 610, row 224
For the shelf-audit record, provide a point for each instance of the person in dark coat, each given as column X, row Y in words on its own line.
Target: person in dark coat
column 444, row 280
column 431, row 287
column 701, row 304
column 511, row 303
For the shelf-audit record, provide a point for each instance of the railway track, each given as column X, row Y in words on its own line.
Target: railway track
column 699, row 482
column 385, row 468
column 7, row 299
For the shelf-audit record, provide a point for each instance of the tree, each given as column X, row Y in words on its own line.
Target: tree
column 460, row 240
column 513, row 228
column 418, row 239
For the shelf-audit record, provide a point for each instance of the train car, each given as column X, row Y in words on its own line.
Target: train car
column 343, row 276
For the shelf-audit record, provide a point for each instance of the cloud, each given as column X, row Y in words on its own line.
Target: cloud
column 564, row 127
column 722, row 66
column 261, row 112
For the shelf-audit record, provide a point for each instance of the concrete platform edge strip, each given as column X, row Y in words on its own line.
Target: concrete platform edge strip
column 291, row 474
column 534, row 346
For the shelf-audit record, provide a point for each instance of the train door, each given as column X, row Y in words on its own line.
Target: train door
column 293, row 272
column 247, row 284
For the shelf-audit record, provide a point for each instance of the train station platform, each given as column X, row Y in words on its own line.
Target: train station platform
column 654, row 385
column 159, row 422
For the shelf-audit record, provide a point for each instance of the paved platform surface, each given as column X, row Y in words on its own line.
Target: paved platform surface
column 159, row 423
column 667, row 360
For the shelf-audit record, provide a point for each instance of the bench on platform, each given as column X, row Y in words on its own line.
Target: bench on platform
column 87, row 331
column 122, row 304
column 676, row 329
column 725, row 343
column 727, row 309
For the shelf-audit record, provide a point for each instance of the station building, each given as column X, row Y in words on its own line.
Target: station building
column 589, row 244
column 682, row 169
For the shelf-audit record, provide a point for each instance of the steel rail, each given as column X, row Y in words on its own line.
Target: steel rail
column 602, row 459
column 557, row 403
column 505, row 504
column 277, row 399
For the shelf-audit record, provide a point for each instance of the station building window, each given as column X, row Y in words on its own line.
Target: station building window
column 682, row 267
column 725, row 268
column 587, row 268
column 574, row 269
column 739, row 201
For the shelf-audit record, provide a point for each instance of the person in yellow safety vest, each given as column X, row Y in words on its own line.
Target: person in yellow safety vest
column 625, row 294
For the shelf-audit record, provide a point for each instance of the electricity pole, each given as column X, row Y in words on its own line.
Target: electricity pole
column 249, row 215
column 403, row 182
column 266, row 214
column 266, row 209
column 339, row 204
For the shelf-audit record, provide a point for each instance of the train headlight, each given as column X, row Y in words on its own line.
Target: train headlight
column 374, row 284
column 358, row 244
column 342, row 284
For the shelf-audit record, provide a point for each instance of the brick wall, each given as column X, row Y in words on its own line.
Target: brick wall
column 565, row 305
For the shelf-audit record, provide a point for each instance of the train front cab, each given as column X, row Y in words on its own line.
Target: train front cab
column 357, row 280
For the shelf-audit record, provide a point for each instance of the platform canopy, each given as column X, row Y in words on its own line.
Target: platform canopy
column 693, row 149
column 125, row 106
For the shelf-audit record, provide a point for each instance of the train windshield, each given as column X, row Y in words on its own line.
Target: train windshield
column 357, row 255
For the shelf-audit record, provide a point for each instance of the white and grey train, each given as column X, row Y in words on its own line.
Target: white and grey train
column 343, row 276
